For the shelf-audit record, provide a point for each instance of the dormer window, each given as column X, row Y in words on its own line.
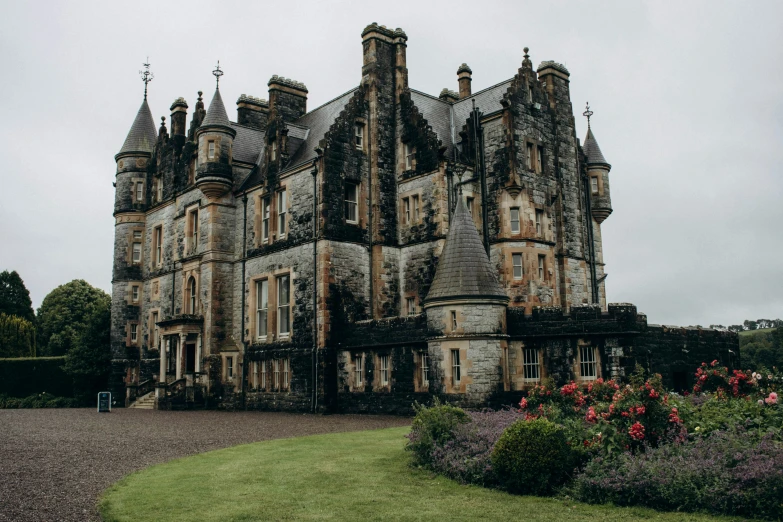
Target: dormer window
column 359, row 136
column 410, row 152
column 211, row 149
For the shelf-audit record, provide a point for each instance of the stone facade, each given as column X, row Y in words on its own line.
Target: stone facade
column 297, row 260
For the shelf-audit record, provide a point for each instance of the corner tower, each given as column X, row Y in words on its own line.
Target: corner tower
column 466, row 317
column 215, row 138
column 130, row 202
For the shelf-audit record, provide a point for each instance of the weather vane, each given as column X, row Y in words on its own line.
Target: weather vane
column 587, row 114
column 146, row 76
column 217, row 73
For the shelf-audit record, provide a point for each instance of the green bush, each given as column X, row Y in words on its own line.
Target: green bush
column 23, row 377
column 433, row 426
column 41, row 400
column 532, row 457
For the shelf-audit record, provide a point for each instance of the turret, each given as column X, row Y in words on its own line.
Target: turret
column 215, row 138
column 466, row 315
column 598, row 174
column 464, row 77
column 131, row 190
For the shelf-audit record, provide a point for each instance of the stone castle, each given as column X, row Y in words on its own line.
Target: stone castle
column 383, row 248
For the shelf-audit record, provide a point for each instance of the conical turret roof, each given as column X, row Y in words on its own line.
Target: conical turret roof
column 464, row 270
column 142, row 135
column 216, row 114
column 592, row 150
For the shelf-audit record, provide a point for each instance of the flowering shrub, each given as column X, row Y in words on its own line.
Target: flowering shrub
column 433, row 427
column 715, row 378
column 40, row 400
column 725, row 473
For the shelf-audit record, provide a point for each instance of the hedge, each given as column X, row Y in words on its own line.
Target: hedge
column 25, row 376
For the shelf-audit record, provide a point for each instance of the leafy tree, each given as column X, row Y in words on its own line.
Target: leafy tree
column 17, row 336
column 89, row 360
column 14, row 296
column 750, row 325
column 64, row 314
column 762, row 350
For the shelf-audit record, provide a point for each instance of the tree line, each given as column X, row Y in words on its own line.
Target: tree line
column 74, row 321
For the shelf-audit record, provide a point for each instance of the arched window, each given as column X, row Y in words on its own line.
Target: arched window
column 191, row 297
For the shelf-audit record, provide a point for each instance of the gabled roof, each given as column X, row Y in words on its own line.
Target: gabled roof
column 437, row 112
column 464, row 270
column 487, row 100
column 142, row 135
column 592, row 150
column 216, row 114
column 318, row 121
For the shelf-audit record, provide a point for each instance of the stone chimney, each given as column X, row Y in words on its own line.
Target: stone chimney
column 287, row 98
column 252, row 111
column 449, row 96
column 179, row 111
column 464, row 77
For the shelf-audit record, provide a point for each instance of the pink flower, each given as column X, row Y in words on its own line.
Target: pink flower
column 591, row 416
column 772, row 399
column 523, row 403
column 636, row 431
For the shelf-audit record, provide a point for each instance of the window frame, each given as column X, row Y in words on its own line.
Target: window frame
column 157, row 236
column 424, row 361
column 351, row 205
column 384, row 369
column 134, row 251
column 409, row 152
column 159, row 189
column 410, row 305
column 469, row 201
column 264, row 384
column 542, row 267
column 514, row 257
column 454, row 323
column 266, row 217
column 191, row 296
column 415, row 204
column 406, row 211
column 512, row 221
column 358, row 370
column 211, row 150
column 133, row 333
column 594, row 185
column 587, row 363
column 135, row 293
column 286, row 384
column 262, row 308
column 358, row 133
column 192, row 229
column 539, row 159
column 283, row 309
column 456, row 367
column 139, row 192
column 230, row 368
column 539, row 216
column 282, row 210
column 531, row 369
column 276, row 374
column 529, row 160
column 154, row 330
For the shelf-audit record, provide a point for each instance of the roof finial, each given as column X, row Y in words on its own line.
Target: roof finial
column 217, row 73
column 146, row 76
column 527, row 61
column 587, row 114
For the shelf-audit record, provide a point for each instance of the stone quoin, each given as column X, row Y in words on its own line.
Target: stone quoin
column 457, row 249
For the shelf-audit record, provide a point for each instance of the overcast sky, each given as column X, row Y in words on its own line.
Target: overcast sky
column 687, row 101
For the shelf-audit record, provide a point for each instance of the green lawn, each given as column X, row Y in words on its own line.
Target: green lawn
column 345, row 476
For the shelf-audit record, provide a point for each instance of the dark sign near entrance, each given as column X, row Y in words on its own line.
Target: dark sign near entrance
column 104, row 402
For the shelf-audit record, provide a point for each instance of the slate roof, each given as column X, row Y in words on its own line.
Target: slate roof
column 142, row 135
column 318, row 122
column 437, row 112
column 487, row 100
column 464, row 270
column 247, row 143
column 592, row 150
column 216, row 114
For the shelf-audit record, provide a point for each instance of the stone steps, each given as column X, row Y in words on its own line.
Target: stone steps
column 146, row 402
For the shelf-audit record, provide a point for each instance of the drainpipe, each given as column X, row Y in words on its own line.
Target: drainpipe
column 314, row 172
column 242, row 334
column 478, row 140
column 369, row 209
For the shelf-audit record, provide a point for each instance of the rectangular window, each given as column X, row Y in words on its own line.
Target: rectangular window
column 134, row 333
column 282, row 205
column 265, row 211
column 359, row 135
column 192, row 230
column 453, row 321
column 530, row 366
column 515, row 221
column 139, row 191
column 529, row 159
column 159, row 189
column 274, row 151
column 469, row 203
column 539, row 220
column 456, row 374
column 358, row 371
column 588, row 365
column 158, row 235
column 411, row 305
column 155, row 331
column 262, row 308
column 406, row 211
column 351, row 202
column 425, row 369
column 276, row 373
column 284, row 305
column 541, row 266
column 136, row 253
column 594, row 185
column 384, row 360
column 286, row 373
column 415, row 208
column 540, row 159
column 230, row 368
column 409, row 156
column 137, row 234
column 516, row 261
column 211, row 149
column 263, row 375
column 135, row 293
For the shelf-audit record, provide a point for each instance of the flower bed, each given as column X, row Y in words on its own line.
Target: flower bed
column 626, row 439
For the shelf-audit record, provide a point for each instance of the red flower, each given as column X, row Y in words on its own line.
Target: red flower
column 591, row 416
column 636, row 431
column 654, row 394
column 714, row 363
column 523, row 403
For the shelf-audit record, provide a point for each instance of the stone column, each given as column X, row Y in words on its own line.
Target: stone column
column 162, row 376
column 180, row 355
column 198, row 354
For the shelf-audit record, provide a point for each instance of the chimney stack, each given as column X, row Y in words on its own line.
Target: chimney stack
column 179, row 111
column 287, row 98
column 464, row 77
column 252, row 111
column 449, row 95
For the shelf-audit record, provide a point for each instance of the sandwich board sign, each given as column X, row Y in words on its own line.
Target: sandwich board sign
column 104, row 402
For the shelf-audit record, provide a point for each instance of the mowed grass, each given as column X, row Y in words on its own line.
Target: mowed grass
column 346, row 476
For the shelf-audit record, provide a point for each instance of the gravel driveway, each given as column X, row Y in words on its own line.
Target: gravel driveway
column 55, row 463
